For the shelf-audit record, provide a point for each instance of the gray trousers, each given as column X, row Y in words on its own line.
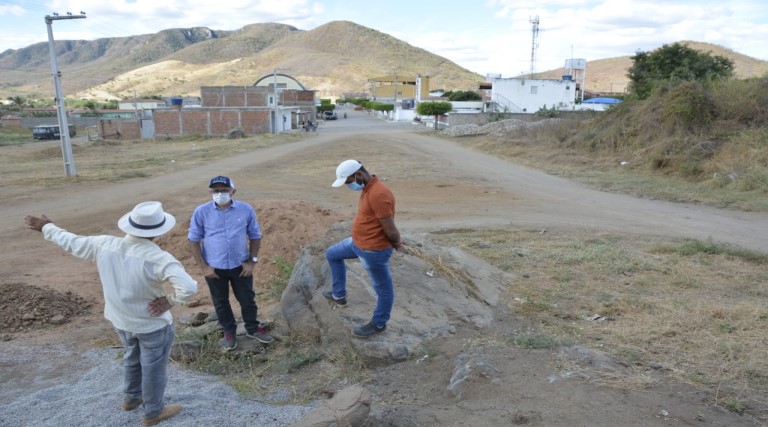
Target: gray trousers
column 146, row 362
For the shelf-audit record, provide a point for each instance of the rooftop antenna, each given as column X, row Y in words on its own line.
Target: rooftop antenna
column 534, row 44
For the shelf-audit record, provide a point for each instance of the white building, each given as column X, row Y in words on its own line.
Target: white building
column 521, row 95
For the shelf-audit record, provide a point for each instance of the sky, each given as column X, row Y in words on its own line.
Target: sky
column 485, row 37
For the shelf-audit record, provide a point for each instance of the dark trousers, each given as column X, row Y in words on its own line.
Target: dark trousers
column 242, row 287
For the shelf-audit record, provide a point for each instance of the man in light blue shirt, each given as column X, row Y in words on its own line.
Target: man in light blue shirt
column 224, row 238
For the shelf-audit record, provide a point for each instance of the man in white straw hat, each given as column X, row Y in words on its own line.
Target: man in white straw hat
column 133, row 270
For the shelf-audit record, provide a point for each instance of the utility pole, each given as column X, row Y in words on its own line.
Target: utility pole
column 66, row 146
column 274, row 89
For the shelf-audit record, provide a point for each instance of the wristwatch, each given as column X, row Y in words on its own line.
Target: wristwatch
column 255, row 259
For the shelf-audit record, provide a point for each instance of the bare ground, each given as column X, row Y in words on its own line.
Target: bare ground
column 438, row 185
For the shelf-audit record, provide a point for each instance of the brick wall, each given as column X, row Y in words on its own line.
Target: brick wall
column 194, row 121
column 211, row 121
column 167, row 123
column 129, row 129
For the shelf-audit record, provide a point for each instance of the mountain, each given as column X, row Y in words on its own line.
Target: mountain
column 335, row 58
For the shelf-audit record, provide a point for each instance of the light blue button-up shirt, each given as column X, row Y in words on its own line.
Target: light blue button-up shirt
column 225, row 233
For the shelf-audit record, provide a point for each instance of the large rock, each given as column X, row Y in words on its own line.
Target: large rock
column 437, row 289
column 349, row 407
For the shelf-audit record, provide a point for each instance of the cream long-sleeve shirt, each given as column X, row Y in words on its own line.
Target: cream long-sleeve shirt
column 132, row 271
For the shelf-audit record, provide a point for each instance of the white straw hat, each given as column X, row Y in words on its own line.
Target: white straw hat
column 147, row 219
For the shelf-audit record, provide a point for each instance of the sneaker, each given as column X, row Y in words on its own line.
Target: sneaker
column 261, row 335
column 230, row 341
column 341, row 302
column 131, row 405
column 367, row 330
column 167, row 412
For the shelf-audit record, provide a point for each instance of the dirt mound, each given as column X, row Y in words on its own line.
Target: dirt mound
column 25, row 307
column 286, row 226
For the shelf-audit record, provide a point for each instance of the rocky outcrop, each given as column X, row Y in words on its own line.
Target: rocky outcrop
column 437, row 289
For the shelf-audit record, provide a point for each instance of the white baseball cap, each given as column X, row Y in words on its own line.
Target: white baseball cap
column 344, row 170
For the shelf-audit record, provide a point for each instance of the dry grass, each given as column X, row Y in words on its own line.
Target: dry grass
column 695, row 308
column 106, row 160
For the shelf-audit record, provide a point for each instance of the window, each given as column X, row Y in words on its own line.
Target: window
column 534, row 90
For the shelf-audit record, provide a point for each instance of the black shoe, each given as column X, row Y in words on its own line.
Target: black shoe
column 341, row 302
column 261, row 335
column 367, row 330
column 230, row 341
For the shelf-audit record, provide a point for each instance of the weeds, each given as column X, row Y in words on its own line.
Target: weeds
column 694, row 306
column 279, row 282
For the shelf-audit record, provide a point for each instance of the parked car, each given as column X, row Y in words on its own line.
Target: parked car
column 329, row 115
column 50, row 132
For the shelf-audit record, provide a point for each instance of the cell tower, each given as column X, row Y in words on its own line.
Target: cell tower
column 534, row 44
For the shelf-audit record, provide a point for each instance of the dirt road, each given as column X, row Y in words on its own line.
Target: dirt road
column 439, row 184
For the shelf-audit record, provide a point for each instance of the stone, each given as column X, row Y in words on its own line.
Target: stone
column 349, row 407
column 58, row 320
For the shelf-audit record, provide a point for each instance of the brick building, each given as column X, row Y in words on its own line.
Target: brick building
column 251, row 110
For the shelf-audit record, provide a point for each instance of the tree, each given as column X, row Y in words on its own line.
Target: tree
column 434, row 109
column 464, row 95
column 675, row 63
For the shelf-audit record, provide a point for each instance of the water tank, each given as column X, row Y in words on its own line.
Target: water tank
column 176, row 102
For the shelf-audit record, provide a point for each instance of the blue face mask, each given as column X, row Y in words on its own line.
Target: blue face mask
column 355, row 186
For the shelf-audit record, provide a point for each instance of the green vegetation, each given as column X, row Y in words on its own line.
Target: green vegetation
column 462, row 95
column 675, row 63
column 325, row 105
column 437, row 108
column 279, row 282
column 12, row 135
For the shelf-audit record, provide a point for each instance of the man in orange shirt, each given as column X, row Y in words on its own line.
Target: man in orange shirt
column 374, row 237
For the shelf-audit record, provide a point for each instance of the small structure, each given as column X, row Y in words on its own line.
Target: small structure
column 597, row 104
column 521, row 95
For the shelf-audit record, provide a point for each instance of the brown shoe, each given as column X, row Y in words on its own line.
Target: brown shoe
column 133, row 404
column 167, row 412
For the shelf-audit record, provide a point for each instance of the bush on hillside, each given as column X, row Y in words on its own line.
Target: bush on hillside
column 674, row 64
column 699, row 132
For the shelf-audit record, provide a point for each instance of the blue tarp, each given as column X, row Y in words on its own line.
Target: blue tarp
column 601, row 101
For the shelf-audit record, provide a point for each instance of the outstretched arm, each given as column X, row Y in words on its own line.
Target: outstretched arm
column 35, row 223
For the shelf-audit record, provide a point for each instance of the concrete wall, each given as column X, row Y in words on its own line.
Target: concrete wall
column 485, row 118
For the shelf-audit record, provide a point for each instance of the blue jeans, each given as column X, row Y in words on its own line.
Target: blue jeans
column 145, row 362
column 242, row 287
column 376, row 263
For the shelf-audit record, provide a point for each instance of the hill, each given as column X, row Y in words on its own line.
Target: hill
column 338, row 57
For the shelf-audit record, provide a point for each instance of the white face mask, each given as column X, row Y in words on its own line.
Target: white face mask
column 221, row 198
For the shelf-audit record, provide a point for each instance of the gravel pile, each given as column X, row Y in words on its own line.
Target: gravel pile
column 497, row 129
column 92, row 396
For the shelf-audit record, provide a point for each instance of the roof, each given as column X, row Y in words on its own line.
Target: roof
column 601, row 101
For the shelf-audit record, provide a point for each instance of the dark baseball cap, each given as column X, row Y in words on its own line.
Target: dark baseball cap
column 221, row 180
